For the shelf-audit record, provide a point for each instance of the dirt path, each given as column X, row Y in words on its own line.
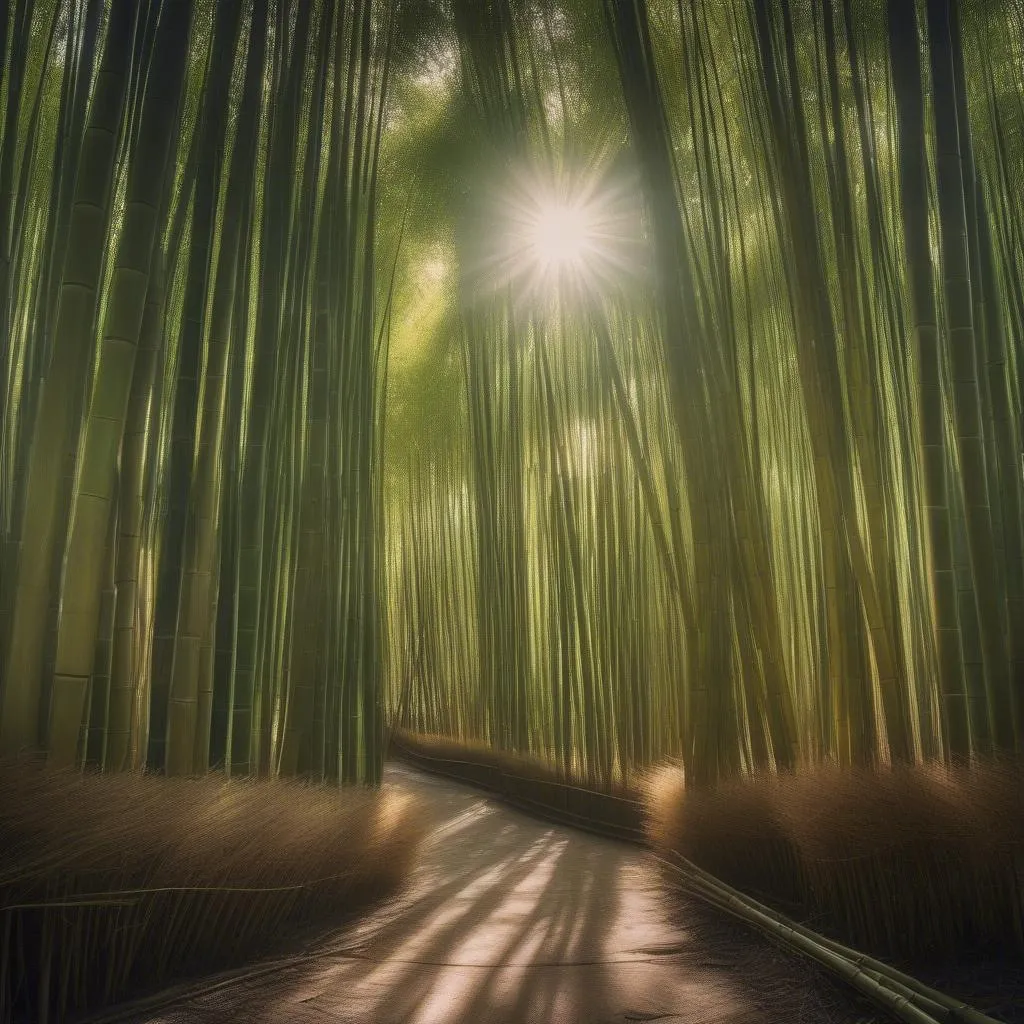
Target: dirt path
column 508, row 920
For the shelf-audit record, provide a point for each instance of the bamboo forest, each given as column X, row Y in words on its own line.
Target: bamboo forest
column 491, row 485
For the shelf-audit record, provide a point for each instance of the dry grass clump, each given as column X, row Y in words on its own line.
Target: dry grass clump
column 920, row 863
column 527, row 782
column 759, row 856
column 112, row 884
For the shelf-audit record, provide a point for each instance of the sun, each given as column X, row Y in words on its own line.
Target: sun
column 554, row 238
column 561, row 236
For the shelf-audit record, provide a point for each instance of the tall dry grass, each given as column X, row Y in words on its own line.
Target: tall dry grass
column 924, row 864
column 110, row 885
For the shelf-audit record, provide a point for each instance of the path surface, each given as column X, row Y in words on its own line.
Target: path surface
column 508, row 920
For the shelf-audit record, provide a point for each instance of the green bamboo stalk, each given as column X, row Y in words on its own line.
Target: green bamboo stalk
column 961, row 345
column 904, row 47
column 54, row 433
column 105, row 420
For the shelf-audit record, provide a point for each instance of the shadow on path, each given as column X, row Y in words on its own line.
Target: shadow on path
column 507, row 920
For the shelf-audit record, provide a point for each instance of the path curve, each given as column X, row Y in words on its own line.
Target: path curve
column 510, row 920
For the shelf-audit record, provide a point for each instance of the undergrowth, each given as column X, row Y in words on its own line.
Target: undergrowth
column 113, row 885
column 922, row 864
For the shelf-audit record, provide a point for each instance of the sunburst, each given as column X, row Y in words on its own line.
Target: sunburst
column 556, row 237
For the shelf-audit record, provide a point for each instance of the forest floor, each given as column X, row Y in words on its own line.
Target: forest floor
column 510, row 920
